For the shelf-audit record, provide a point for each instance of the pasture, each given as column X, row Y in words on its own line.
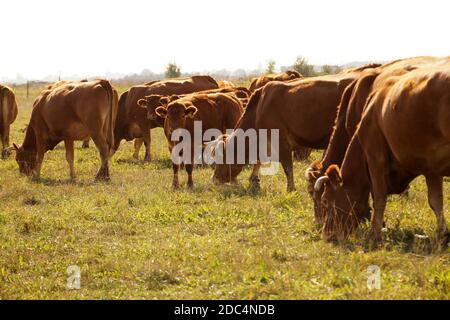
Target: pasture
column 136, row 238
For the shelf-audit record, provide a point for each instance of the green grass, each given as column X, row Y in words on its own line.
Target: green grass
column 136, row 238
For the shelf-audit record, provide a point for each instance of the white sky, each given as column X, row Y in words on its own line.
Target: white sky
column 92, row 37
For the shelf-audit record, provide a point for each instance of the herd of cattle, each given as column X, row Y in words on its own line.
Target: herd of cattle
column 381, row 126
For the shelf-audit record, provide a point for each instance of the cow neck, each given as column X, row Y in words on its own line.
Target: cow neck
column 355, row 175
column 29, row 144
column 247, row 120
column 335, row 152
column 340, row 138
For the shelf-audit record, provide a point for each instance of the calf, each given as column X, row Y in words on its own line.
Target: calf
column 216, row 110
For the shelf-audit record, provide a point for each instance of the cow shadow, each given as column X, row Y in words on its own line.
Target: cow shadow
column 412, row 240
column 49, row 182
column 239, row 190
column 404, row 240
column 157, row 163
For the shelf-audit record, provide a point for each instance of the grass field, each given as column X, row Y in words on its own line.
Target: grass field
column 136, row 238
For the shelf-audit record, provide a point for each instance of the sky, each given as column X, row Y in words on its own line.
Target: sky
column 93, row 37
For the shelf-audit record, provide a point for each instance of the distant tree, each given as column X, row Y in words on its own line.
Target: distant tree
column 270, row 67
column 173, row 70
column 301, row 65
column 327, row 69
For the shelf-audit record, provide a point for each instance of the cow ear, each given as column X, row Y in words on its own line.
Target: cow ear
column 335, row 176
column 161, row 112
column 190, row 111
column 15, row 147
column 142, row 103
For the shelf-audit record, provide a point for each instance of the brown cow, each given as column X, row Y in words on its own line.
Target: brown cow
column 404, row 132
column 214, row 110
column 261, row 81
column 132, row 121
column 303, row 110
column 67, row 112
column 349, row 114
column 8, row 114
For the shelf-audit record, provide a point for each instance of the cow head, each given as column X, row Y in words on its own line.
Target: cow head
column 152, row 102
column 26, row 160
column 176, row 113
column 340, row 207
column 223, row 172
column 312, row 174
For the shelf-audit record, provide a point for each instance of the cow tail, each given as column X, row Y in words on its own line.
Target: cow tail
column 112, row 112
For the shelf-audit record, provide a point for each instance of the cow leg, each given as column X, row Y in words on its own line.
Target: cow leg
column 189, row 169
column 4, row 135
column 138, row 142
column 147, row 139
column 436, row 201
column 288, row 167
column 1, row 138
column 175, row 182
column 254, row 177
column 70, row 157
column 103, row 148
column 85, row 144
column 377, row 165
column 39, row 160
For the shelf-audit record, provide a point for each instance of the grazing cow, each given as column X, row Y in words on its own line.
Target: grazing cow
column 214, row 110
column 8, row 114
column 349, row 114
column 67, row 112
column 132, row 121
column 303, row 110
column 404, row 132
column 261, row 81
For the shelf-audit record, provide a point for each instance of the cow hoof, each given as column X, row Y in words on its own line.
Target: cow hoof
column 6, row 154
column 445, row 240
column 147, row 159
column 190, row 186
column 35, row 179
column 102, row 178
column 375, row 240
column 255, row 187
column 175, row 186
column 291, row 189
